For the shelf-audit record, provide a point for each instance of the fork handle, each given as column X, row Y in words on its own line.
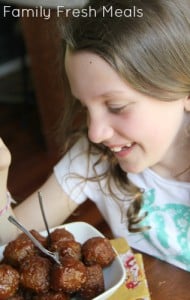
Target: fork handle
column 33, row 239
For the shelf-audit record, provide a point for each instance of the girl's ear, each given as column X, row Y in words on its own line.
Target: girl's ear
column 187, row 103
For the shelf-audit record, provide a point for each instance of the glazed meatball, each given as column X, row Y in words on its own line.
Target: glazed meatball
column 70, row 248
column 35, row 274
column 43, row 240
column 19, row 249
column 58, row 236
column 98, row 250
column 94, row 284
column 68, row 277
column 9, row 281
column 21, row 294
column 16, row 297
column 52, row 296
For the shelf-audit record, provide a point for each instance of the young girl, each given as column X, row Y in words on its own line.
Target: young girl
column 128, row 69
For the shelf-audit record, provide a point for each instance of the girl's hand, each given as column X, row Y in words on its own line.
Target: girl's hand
column 5, row 160
column 5, row 210
column 5, row 157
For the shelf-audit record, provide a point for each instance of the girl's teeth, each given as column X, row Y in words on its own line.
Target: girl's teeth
column 129, row 145
column 116, row 149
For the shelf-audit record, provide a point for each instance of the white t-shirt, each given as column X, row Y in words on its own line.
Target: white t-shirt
column 166, row 201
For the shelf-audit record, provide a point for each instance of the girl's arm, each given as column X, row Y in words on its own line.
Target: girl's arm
column 6, row 231
column 57, row 204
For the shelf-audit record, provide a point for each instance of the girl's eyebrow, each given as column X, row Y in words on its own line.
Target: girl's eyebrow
column 113, row 93
column 121, row 95
column 110, row 95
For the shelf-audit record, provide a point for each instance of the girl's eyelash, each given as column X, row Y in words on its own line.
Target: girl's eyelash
column 117, row 109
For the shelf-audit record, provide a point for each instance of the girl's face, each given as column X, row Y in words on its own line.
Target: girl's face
column 141, row 131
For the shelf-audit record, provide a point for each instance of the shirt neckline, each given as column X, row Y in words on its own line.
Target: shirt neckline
column 167, row 181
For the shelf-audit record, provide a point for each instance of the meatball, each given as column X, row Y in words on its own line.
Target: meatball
column 68, row 277
column 19, row 249
column 98, row 250
column 70, row 248
column 35, row 274
column 52, row 296
column 94, row 285
column 39, row 237
column 58, row 236
column 16, row 297
column 9, row 281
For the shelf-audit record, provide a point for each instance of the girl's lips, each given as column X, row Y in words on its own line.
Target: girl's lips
column 125, row 151
column 117, row 148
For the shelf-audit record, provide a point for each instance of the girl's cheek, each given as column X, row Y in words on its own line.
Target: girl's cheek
column 133, row 124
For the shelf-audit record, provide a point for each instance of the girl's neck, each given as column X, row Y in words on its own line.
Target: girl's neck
column 176, row 164
column 174, row 174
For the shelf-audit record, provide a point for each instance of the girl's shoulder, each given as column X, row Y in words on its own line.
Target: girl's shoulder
column 78, row 174
column 81, row 158
column 165, row 190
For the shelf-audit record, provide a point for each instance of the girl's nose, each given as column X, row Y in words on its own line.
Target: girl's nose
column 99, row 131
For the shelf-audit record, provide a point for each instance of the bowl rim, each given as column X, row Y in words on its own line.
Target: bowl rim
column 95, row 232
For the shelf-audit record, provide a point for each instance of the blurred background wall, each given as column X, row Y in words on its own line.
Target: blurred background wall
column 31, row 97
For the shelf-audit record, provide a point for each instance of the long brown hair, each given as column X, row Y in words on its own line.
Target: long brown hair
column 151, row 51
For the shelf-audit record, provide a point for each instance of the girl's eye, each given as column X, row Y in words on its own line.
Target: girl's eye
column 116, row 110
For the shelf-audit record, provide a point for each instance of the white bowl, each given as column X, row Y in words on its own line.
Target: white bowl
column 114, row 275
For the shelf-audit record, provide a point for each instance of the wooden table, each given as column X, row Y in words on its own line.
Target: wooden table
column 165, row 281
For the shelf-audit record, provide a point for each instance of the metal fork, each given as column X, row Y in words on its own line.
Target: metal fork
column 44, row 218
column 53, row 255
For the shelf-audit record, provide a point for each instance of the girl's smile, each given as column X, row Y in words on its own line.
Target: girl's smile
column 122, row 151
column 141, row 131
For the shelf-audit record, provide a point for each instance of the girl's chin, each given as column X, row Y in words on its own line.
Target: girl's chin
column 131, row 168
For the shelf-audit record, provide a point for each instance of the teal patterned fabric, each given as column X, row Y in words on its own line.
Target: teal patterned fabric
column 170, row 229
